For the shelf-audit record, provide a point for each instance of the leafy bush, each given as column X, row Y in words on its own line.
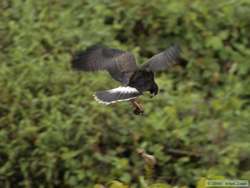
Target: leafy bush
column 52, row 132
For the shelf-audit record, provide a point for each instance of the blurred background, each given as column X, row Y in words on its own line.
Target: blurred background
column 52, row 132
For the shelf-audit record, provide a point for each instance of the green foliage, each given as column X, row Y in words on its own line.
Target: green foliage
column 52, row 132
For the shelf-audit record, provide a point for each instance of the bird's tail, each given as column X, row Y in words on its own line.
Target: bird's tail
column 116, row 95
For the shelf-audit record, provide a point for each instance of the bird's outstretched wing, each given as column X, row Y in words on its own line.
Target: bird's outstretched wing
column 163, row 60
column 118, row 63
column 116, row 95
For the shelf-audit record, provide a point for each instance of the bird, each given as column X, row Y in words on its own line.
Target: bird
column 121, row 65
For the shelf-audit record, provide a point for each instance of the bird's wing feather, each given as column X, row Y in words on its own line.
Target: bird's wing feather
column 118, row 63
column 116, row 95
column 163, row 60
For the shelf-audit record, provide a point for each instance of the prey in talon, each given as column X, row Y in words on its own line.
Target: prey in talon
column 122, row 67
column 138, row 108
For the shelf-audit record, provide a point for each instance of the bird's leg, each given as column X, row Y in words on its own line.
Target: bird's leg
column 138, row 107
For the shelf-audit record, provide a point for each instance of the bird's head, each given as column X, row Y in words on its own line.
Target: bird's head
column 154, row 89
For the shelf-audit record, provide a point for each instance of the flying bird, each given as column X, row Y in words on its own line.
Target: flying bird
column 122, row 67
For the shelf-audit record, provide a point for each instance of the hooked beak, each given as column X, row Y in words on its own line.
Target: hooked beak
column 154, row 90
column 153, row 93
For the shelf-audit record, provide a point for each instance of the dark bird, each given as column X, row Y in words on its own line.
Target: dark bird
column 122, row 66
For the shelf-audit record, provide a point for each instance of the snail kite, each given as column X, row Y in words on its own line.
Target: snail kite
column 122, row 66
